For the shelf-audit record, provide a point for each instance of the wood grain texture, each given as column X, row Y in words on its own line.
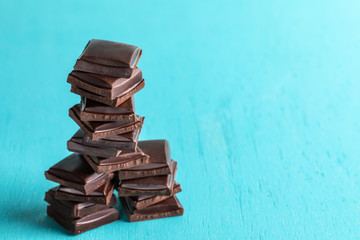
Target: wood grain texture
column 259, row 100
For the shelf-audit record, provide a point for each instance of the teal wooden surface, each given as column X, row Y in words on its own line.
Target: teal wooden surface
column 260, row 101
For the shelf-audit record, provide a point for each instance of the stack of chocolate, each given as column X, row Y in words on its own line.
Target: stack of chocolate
column 107, row 153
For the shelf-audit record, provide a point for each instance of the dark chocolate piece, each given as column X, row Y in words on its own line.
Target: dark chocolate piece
column 98, row 130
column 74, row 172
column 151, row 186
column 126, row 141
column 159, row 162
column 124, row 160
column 141, row 202
column 94, row 111
column 108, row 87
column 102, row 195
column 112, row 102
column 75, row 144
column 108, row 58
column 75, row 209
column 91, row 221
column 168, row 208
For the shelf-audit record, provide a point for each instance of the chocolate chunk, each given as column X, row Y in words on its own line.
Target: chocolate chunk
column 124, row 160
column 108, row 58
column 151, row 186
column 159, row 162
column 112, row 102
column 108, row 87
column 125, row 141
column 102, row 195
column 74, row 172
column 141, row 202
column 75, row 209
column 75, row 144
column 95, row 111
column 88, row 222
column 168, row 208
column 98, row 130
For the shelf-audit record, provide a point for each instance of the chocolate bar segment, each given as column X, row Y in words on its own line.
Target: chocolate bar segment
column 112, row 102
column 74, row 172
column 75, row 209
column 75, row 144
column 108, row 87
column 102, row 195
column 125, row 141
column 124, row 160
column 95, row 111
column 108, row 58
column 88, row 222
column 151, row 186
column 141, row 202
column 159, row 162
column 168, row 208
column 98, row 130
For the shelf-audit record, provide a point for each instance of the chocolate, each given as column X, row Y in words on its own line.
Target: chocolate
column 95, row 111
column 125, row 141
column 159, row 162
column 108, row 87
column 102, row 195
column 108, row 58
column 75, row 209
column 75, row 144
column 170, row 207
column 98, row 130
column 74, row 172
column 151, row 186
column 88, row 222
column 112, row 102
column 124, row 160
column 141, row 202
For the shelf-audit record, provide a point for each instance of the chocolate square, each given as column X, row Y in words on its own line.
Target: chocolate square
column 74, row 172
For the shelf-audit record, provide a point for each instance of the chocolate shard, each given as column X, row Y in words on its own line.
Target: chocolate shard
column 74, row 172
column 75, row 209
column 95, row 111
column 170, row 207
column 98, row 130
column 151, row 186
column 159, row 162
column 88, row 222
column 108, row 87
column 108, row 58
column 126, row 141
column 124, row 160
column 111, row 102
column 102, row 195
column 141, row 202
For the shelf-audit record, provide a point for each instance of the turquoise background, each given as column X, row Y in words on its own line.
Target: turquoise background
column 260, row 101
